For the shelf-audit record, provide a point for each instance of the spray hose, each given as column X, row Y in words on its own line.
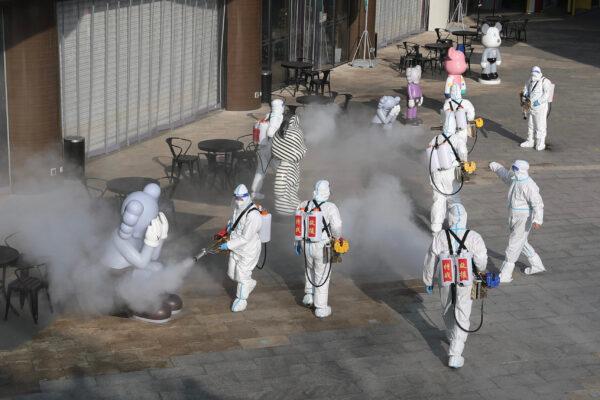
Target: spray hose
column 328, row 266
column 264, row 258
column 462, row 179
column 454, row 313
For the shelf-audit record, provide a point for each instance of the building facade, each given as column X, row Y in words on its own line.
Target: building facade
column 118, row 71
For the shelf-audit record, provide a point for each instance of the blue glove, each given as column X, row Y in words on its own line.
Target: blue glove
column 429, row 289
column 536, row 103
column 223, row 247
column 298, row 248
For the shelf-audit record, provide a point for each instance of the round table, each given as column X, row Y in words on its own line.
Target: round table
column 297, row 66
column 465, row 35
column 225, row 166
column 315, row 99
column 494, row 18
column 441, row 49
column 220, row 145
column 128, row 184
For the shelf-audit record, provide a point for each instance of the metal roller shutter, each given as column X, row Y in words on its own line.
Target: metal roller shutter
column 132, row 68
column 397, row 19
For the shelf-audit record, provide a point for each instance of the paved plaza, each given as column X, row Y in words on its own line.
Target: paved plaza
column 385, row 339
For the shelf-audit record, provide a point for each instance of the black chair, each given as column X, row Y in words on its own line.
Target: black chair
column 518, row 30
column 411, row 53
column 468, row 56
column 28, row 286
column 245, row 161
column 168, row 186
column 179, row 148
column 321, row 82
column 95, row 187
column 443, row 39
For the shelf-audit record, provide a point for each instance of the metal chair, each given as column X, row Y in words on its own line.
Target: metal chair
column 247, row 159
column 168, row 186
column 444, row 39
column 321, row 82
column 27, row 284
column 179, row 148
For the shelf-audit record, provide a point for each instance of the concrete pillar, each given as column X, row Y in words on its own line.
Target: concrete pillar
column 243, row 54
column 33, row 88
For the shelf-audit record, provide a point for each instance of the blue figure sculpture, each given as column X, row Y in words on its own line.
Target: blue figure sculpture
column 135, row 248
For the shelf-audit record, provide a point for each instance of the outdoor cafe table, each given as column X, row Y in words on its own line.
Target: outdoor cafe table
column 315, row 99
column 125, row 185
column 440, row 49
column 465, row 35
column 8, row 257
column 297, row 67
column 226, row 147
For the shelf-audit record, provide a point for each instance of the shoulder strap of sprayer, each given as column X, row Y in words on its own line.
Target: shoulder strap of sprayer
column 461, row 242
column 318, row 205
column 251, row 207
column 447, row 139
column 459, row 105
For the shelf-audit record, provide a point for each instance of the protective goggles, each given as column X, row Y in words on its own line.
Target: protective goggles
column 240, row 197
column 515, row 168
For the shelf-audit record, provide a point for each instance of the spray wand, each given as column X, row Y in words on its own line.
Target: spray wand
column 219, row 239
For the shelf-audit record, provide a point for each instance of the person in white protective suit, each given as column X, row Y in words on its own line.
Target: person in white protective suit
column 459, row 312
column 266, row 161
column 525, row 210
column 537, row 91
column 244, row 246
column 388, row 110
column 458, row 112
column 318, row 253
column 445, row 154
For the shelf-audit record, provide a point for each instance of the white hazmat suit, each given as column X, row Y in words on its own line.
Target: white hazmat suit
column 266, row 161
column 244, row 244
column 525, row 208
column 458, row 112
column 318, row 253
column 538, row 91
column 457, row 220
column 443, row 179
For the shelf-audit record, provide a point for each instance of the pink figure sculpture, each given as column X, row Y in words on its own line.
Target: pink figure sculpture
column 415, row 94
column 455, row 65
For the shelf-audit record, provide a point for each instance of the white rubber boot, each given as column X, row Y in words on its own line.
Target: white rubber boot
column 528, row 143
column 308, row 300
column 506, row 272
column 456, row 361
column 242, row 293
column 536, row 265
column 541, row 145
column 323, row 312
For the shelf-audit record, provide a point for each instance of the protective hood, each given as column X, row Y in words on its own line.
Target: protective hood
column 455, row 93
column 321, row 192
column 457, row 217
column 520, row 169
column 536, row 73
column 241, row 197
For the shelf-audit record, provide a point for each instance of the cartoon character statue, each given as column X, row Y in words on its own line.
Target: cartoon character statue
column 415, row 94
column 455, row 65
column 490, row 58
column 388, row 110
column 133, row 251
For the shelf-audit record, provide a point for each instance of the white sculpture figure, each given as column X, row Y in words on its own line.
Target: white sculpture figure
column 137, row 244
column 388, row 110
column 490, row 58
column 268, row 127
column 289, row 148
column 458, row 112
column 537, row 94
column 415, row 94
